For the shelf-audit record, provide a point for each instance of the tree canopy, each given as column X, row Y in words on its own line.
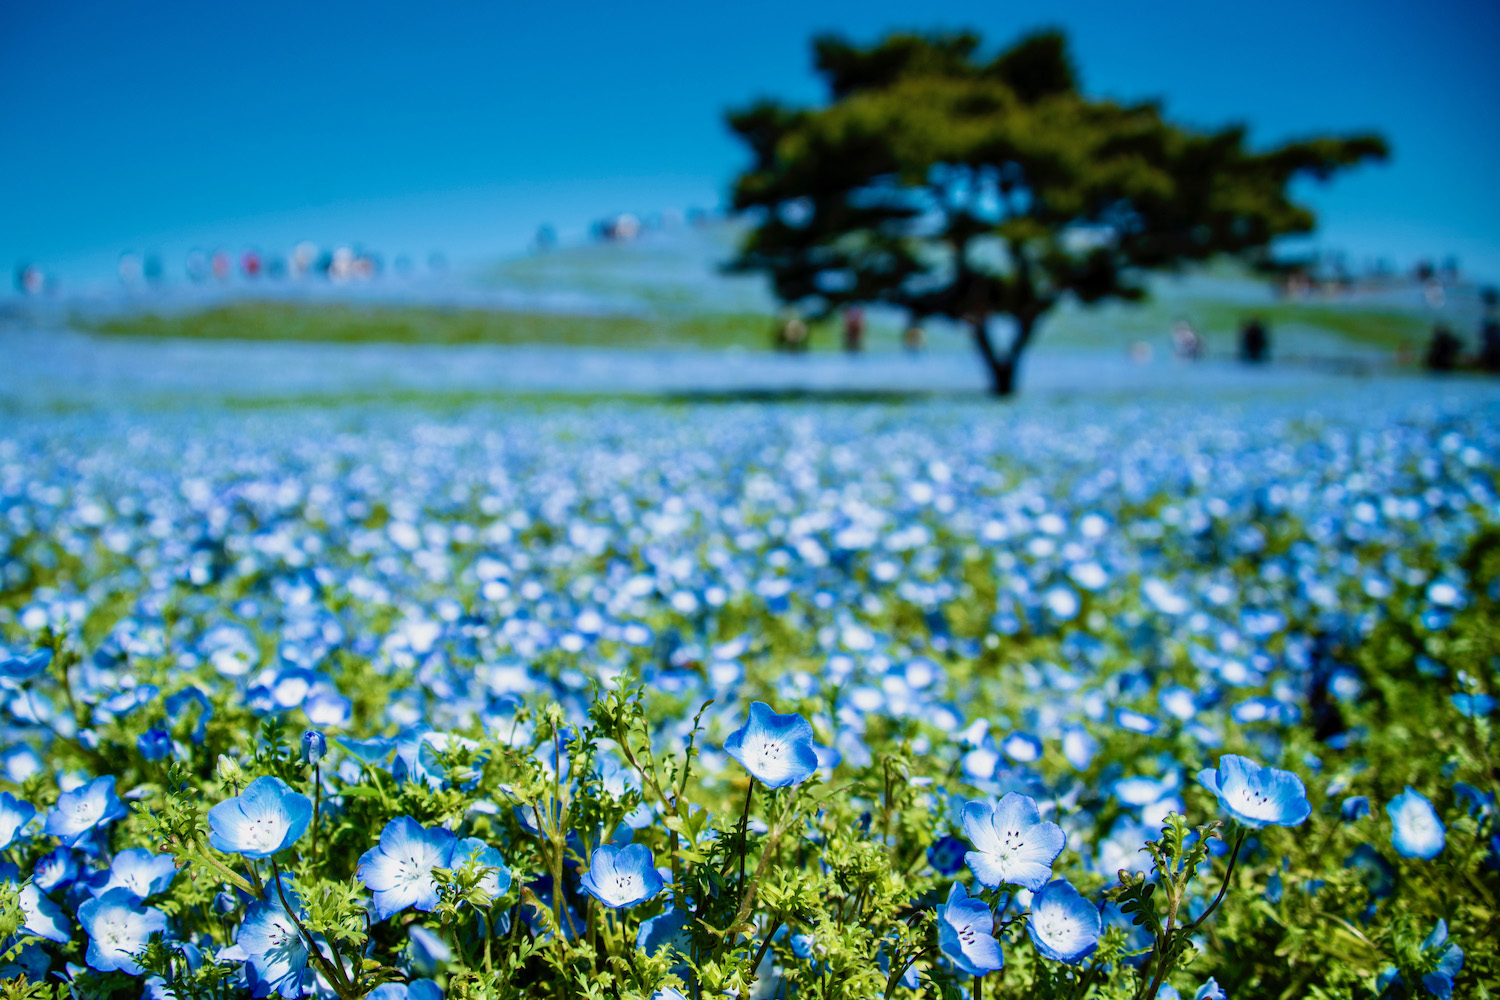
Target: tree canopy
column 946, row 184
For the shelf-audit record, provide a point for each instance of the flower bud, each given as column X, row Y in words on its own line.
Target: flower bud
column 229, row 770
column 314, row 746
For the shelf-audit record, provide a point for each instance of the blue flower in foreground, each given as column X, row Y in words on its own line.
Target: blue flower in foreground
column 1064, row 926
column 668, row 929
column 1257, row 796
column 622, row 876
column 1417, row 832
column 1211, row 990
column 119, row 928
column 777, row 750
column 1439, row 982
column 399, row 870
column 966, row 933
column 139, row 872
column 497, row 882
column 265, row 818
column 40, row 915
column 79, row 812
column 1012, row 843
column 274, row 953
column 55, row 870
column 15, row 814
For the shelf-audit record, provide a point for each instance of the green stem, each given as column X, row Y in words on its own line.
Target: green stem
column 332, row 970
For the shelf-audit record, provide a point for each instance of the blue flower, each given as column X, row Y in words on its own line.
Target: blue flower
column 1473, row 705
column 371, row 752
column 1439, row 982
column 274, row 952
column 138, row 872
column 1355, row 807
column 777, row 750
column 15, row 815
column 1379, row 878
column 1417, row 832
column 55, row 870
column 494, row 884
column 399, row 870
column 79, row 812
column 966, row 933
column 947, row 855
column 1257, row 796
column 154, row 744
column 1211, row 990
column 314, row 746
column 622, row 876
column 176, row 704
column 1064, row 926
column 265, row 818
column 119, row 928
column 417, row 989
column 41, row 916
column 666, row 930
column 23, row 668
column 1013, row 845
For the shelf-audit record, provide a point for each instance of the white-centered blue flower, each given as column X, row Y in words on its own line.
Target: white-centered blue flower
column 273, row 950
column 40, row 915
column 119, row 928
column 15, row 815
column 1013, row 845
column 777, row 750
column 265, row 818
column 1416, row 832
column 622, row 876
column 77, row 813
column 1257, row 796
column 496, row 882
column 398, row 871
column 139, row 872
column 1063, row 925
column 966, row 933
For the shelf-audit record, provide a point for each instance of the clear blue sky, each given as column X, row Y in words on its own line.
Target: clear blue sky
column 408, row 127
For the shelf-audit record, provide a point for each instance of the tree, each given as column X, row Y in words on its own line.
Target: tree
column 946, row 185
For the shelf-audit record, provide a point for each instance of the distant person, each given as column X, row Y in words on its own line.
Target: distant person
column 791, row 332
column 1187, row 345
column 1255, row 343
column 854, row 329
column 914, row 339
column 1444, row 350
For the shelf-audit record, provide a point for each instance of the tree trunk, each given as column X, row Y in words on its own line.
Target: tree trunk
column 1002, row 367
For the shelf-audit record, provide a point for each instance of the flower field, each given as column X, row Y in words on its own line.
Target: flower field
column 1161, row 699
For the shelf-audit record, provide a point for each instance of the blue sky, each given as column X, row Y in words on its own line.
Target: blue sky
column 412, row 127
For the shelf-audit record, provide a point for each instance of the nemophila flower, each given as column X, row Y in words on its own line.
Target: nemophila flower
column 87, row 807
column 314, row 746
column 417, row 989
column 154, row 744
column 1136, row 722
column 55, row 870
column 1450, row 961
column 1379, row 877
column 1416, row 830
column 1256, row 796
column 1473, row 705
column 139, row 872
column 268, row 942
column 23, row 668
column 15, row 815
column 1064, row 926
column 1211, row 990
column 265, row 818
column 966, row 933
column 425, row 950
column 371, row 752
column 1355, row 807
column 777, row 750
column 494, row 884
column 620, row 877
column 1013, row 845
column 40, row 915
column 947, row 855
column 666, row 930
column 398, row 871
column 178, row 703
column 119, row 928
